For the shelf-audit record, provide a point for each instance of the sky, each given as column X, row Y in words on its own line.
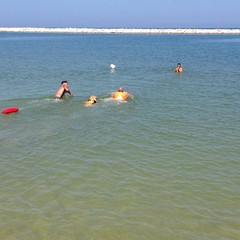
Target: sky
column 120, row 13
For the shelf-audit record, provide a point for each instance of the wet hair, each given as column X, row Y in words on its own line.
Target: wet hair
column 64, row 82
column 179, row 64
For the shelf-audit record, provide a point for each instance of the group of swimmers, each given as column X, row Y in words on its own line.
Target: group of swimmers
column 119, row 95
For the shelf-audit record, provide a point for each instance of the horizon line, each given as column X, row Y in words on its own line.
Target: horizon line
column 121, row 30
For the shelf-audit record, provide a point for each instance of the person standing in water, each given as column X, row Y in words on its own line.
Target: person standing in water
column 179, row 68
column 62, row 90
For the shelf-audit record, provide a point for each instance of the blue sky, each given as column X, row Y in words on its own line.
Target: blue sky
column 121, row 13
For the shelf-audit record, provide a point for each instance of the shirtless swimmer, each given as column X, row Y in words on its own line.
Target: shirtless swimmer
column 62, row 90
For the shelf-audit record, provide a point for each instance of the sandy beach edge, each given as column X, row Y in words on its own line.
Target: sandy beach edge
column 120, row 30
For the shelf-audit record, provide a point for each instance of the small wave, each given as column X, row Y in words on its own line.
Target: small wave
column 108, row 99
column 48, row 100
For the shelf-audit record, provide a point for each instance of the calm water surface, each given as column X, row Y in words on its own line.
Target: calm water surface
column 163, row 165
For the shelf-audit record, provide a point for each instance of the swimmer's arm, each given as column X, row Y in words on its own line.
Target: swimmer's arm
column 178, row 70
column 124, row 96
column 68, row 90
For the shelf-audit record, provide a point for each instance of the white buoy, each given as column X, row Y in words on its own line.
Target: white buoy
column 112, row 66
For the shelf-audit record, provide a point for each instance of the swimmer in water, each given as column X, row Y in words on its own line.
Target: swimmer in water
column 120, row 94
column 62, row 90
column 179, row 68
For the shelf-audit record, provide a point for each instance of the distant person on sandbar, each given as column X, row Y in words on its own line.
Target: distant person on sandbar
column 120, row 94
column 92, row 100
column 179, row 68
column 62, row 90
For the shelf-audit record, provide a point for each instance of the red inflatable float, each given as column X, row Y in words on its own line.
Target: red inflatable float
column 10, row 110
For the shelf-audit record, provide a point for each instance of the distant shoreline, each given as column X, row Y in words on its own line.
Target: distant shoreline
column 121, row 30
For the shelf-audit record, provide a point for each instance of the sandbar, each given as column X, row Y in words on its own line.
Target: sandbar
column 120, row 30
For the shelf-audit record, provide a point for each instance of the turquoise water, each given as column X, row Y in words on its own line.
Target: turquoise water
column 163, row 165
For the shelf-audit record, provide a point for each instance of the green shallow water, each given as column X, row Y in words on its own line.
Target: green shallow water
column 163, row 165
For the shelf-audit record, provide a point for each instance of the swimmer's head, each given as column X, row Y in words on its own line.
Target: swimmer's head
column 64, row 83
column 120, row 89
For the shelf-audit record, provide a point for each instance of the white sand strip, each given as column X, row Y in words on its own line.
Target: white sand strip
column 120, row 30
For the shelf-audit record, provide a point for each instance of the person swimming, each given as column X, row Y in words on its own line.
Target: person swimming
column 62, row 90
column 120, row 94
column 92, row 100
column 179, row 68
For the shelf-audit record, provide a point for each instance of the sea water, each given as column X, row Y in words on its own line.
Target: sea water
column 164, row 164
